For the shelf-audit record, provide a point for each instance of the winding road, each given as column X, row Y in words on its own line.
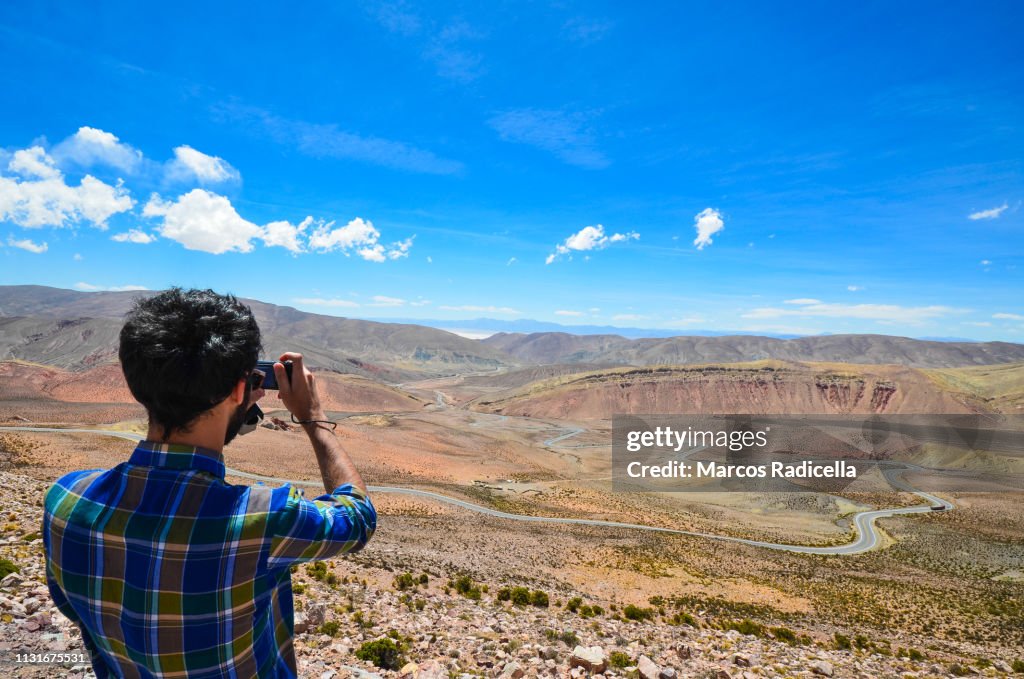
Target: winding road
column 868, row 536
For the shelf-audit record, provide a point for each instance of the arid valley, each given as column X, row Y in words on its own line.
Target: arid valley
column 457, row 434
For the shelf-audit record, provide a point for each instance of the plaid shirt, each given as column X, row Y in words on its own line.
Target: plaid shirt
column 169, row 571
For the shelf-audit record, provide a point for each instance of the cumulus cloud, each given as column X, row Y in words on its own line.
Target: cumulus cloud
column 1008, row 317
column 286, row 235
column 134, row 236
column 707, row 222
column 89, row 287
column 28, row 245
column 189, row 163
column 38, row 195
column 992, row 213
column 589, row 238
column 204, row 221
column 359, row 236
column 90, row 146
column 871, row 312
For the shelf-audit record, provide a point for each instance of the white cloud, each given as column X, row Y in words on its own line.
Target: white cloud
column 565, row 312
column 319, row 301
column 802, row 300
column 28, row 245
column 34, row 162
column 707, row 222
column 134, row 236
column 420, row 302
column 285, row 234
column 360, row 236
column 203, row 221
column 564, row 135
column 88, row 287
column 589, row 238
column 40, row 197
column 992, row 213
column 985, row 262
column 629, row 317
column 978, row 324
column 430, row 260
column 77, row 257
column 90, row 146
column 511, row 261
column 854, row 288
column 189, row 163
column 1008, row 317
column 400, row 249
column 482, row 309
column 383, row 300
column 872, row 312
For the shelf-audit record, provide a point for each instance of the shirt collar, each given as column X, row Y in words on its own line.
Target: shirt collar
column 177, row 456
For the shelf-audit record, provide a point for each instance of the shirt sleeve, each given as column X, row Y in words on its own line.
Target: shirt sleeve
column 64, row 606
column 307, row 530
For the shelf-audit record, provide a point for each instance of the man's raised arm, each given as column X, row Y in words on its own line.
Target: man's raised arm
column 302, row 399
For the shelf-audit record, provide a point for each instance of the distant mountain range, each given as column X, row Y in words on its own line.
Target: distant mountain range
column 77, row 330
column 527, row 325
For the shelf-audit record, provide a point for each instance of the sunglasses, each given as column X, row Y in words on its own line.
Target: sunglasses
column 255, row 379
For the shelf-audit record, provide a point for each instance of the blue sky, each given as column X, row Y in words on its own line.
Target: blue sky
column 769, row 167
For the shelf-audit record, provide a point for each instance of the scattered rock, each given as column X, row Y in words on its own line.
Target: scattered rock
column 741, row 660
column 315, row 613
column 301, row 624
column 646, row 668
column 591, row 659
column 822, row 668
column 667, row 673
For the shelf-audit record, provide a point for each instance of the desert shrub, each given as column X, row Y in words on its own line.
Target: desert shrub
column 504, row 594
column 567, row 637
column 915, row 655
column 637, row 614
column 682, row 618
column 298, row 588
column 520, row 596
column 404, row 581
column 465, row 586
column 573, row 604
column 1017, row 666
column 842, row 642
column 30, row 537
column 330, row 628
column 384, row 653
column 785, row 634
column 424, row 578
column 745, row 626
column 958, row 670
column 619, row 659
column 317, row 570
column 7, row 567
column 539, row 598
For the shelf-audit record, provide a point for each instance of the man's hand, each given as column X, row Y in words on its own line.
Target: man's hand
column 299, row 395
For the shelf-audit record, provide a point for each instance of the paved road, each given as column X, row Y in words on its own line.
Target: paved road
column 864, row 522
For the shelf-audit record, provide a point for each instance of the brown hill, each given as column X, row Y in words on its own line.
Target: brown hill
column 868, row 349
column 73, row 330
column 763, row 387
column 21, row 381
column 1000, row 387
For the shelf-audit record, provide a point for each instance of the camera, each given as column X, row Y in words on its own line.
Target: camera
column 270, row 378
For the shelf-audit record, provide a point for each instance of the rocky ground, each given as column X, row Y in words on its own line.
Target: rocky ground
column 362, row 617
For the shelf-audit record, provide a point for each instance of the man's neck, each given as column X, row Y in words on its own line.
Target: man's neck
column 197, row 437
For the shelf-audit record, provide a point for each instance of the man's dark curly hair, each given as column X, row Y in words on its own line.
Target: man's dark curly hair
column 183, row 351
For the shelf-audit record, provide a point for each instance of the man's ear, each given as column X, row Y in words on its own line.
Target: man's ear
column 238, row 393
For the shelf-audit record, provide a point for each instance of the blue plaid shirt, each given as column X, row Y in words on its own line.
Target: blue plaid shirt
column 169, row 571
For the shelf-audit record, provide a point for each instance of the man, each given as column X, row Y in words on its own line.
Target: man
column 168, row 570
